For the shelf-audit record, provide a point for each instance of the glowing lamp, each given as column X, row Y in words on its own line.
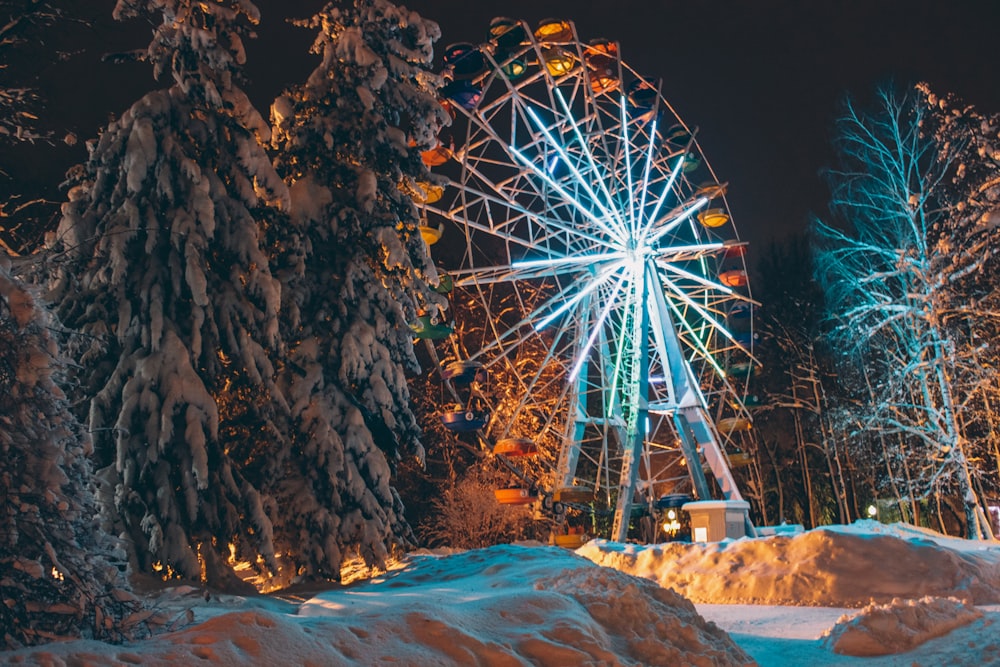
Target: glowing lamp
column 872, row 511
column 713, row 217
column 515, row 496
column 554, row 31
column 464, row 60
column 558, row 61
column 515, row 447
column 733, row 425
column 462, row 93
column 733, row 278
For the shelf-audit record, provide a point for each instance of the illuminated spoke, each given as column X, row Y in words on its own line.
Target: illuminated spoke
column 558, row 188
column 628, row 168
column 670, row 226
column 645, row 173
column 580, row 177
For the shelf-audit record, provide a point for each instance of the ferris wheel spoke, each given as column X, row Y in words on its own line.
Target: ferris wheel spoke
column 530, row 269
column 503, row 197
column 628, row 168
column 667, row 190
column 618, row 231
column 599, row 178
column 701, row 280
column 507, row 231
column 537, row 319
column 586, row 212
column 675, row 222
column 645, row 175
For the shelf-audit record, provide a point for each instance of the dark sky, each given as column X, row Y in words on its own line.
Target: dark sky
column 760, row 79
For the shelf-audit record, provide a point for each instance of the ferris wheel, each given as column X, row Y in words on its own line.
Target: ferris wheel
column 596, row 271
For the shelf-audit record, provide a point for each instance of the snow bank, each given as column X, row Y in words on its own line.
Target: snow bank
column 525, row 604
column 506, row 605
column 836, row 568
column 899, row 626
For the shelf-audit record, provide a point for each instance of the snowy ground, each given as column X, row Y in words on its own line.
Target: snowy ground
column 865, row 589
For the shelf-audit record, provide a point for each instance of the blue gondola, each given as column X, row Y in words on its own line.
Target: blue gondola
column 464, row 420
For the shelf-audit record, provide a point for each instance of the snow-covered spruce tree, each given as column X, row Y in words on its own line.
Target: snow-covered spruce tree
column 344, row 138
column 60, row 574
column 883, row 279
column 161, row 266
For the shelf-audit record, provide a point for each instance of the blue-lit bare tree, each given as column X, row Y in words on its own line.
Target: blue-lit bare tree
column 885, row 278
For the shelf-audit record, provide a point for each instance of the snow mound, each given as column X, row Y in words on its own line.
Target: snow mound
column 898, row 626
column 524, row 605
column 506, row 605
column 830, row 568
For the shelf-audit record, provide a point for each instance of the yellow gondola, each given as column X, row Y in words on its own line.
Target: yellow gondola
column 734, row 425
column 713, row 217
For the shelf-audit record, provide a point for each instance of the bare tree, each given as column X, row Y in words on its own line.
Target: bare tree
column 883, row 276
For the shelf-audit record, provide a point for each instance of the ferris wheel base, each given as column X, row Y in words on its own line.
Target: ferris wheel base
column 699, row 438
column 717, row 520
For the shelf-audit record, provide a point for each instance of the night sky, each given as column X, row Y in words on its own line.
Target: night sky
column 761, row 80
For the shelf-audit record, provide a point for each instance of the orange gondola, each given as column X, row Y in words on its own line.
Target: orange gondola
column 515, row 496
column 515, row 447
column 733, row 278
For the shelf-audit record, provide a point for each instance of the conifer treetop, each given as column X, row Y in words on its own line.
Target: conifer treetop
column 200, row 42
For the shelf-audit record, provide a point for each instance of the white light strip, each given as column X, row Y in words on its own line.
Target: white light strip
column 576, row 172
column 594, row 284
column 593, row 162
column 596, row 329
column 660, row 233
column 558, row 188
